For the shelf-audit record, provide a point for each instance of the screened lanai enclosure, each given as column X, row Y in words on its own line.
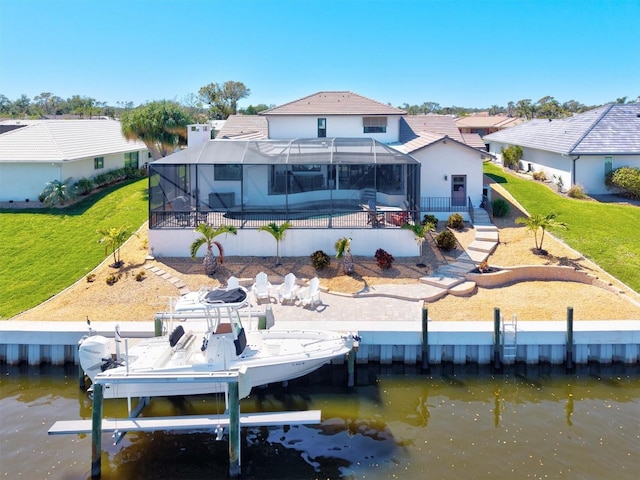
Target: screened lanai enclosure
column 313, row 183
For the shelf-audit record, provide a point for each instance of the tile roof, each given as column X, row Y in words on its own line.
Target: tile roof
column 474, row 140
column 334, row 103
column 244, row 127
column 443, row 125
column 64, row 140
column 483, row 121
column 610, row 129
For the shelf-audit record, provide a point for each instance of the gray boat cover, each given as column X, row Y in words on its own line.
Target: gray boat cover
column 235, row 295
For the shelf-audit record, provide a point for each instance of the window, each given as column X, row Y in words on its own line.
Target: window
column 374, row 124
column 98, row 163
column 322, row 127
column 608, row 165
column 227, row 172
column 131, row 159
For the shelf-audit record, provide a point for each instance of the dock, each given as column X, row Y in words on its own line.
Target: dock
column 189, row 422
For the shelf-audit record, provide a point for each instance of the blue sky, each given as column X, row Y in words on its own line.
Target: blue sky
column 464, row 53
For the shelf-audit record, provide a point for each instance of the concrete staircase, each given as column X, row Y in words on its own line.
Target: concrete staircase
column 451, row 278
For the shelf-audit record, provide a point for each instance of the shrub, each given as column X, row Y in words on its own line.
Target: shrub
column 320, row 260
column 91, row 277
column 384, row 259
column 511, row 157
column 540, row 176
column 111, row 279
column 576, row 191
column 84, row 186
column 627, row 179
column 455, row 221
column 446, row 240
column 559, row 183
column 500, row 207
column 432, row 219
column 141, row 275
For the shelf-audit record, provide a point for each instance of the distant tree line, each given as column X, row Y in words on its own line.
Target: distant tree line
column 546, row 107
column 219, row 100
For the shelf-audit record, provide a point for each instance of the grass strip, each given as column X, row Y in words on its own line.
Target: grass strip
column 43, row 251
column 606, row 233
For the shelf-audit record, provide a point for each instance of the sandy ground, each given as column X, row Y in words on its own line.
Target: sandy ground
column 129, row 299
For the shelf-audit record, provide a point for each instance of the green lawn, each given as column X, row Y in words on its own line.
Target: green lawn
column 608, row 234
column 44, row 251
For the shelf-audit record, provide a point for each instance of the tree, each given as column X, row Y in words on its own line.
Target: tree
column 278, row 232
column 537, row 222
column 113, row 238
column 56, row 192
column 255, row 109
column 210, row 263
column 223, row 99
column 161, row 125
column 420, row 231
column 343, row 251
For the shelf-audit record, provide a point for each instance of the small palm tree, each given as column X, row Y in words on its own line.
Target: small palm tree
column 420, row 231
column 113, row 238
column 56, row 192
column 210, row 263
column 277, row 231
column 541, row 222
column 343, row 251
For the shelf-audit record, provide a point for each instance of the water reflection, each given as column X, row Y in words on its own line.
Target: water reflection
column 458, row 422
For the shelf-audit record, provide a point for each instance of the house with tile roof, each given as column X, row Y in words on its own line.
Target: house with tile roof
column 579, row 150
column 336, row 163
column 485, row 124
column 35, row 152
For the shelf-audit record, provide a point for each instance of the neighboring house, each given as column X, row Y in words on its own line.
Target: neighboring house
column 333, row 163
column 39, row 151
column 579, row 150
column 484, row 124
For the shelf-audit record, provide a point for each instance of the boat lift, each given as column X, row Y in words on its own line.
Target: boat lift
column 238, row 386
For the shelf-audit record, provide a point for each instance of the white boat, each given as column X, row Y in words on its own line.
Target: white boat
column 214, row 340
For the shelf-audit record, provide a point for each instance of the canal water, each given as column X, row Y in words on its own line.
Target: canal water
column 457, row 422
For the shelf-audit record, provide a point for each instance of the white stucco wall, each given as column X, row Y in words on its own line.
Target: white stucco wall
column 298, row 242
column 22, row 180
column 306, row 126
column 448, row 159
column 589, row 169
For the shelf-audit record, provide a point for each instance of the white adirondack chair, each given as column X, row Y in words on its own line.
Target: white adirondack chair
column 310, row 295
column 262, row 288
column 288, row 290
column 232, row 283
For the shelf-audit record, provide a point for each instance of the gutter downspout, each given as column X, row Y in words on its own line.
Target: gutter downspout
column 573, row 170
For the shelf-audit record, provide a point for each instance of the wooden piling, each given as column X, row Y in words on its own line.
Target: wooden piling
column 569, row 348
column 157, row 326
column 497, row 364
column 425, row 339
column 351, row 367
column 234, row 430
column 96, row 432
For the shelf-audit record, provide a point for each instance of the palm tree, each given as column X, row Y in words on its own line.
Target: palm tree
column 57, row 192
column 210, row 263
column 113, row 238
column 343, row 251
column 539, row 221
column 161, row 125
column 278, row 233
column 420, row 231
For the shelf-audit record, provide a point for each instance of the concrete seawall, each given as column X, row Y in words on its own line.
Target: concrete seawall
column 382, row 342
